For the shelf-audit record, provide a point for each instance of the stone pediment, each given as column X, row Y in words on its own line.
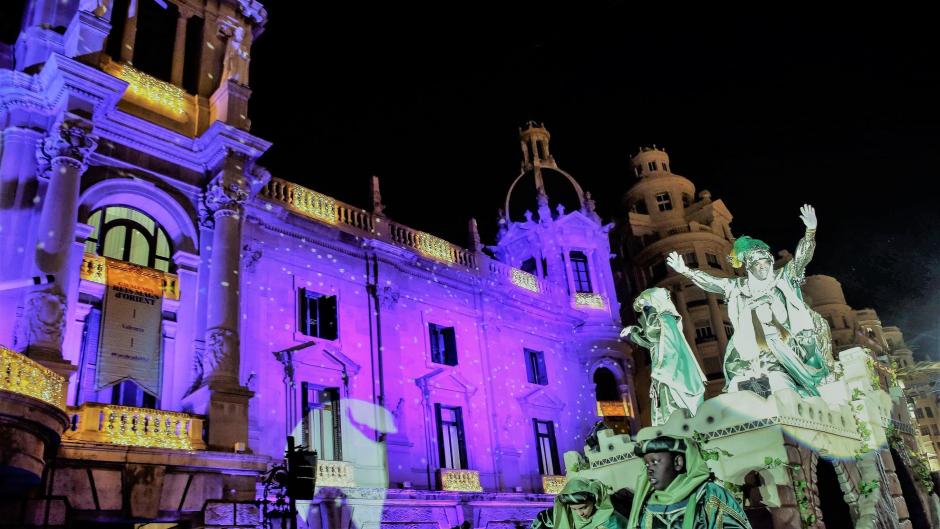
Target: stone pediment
column 541, row 398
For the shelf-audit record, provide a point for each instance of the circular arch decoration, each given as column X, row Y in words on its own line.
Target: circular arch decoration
column 577, row 187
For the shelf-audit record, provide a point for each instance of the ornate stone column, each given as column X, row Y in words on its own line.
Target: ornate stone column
column 220, row 394
column 61, row 157
column 179, row 47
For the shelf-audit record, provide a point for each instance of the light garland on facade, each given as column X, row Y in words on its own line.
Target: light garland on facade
column 312, row 204
column 127, row 426
column 435, row 247
column 589, row 300
column 159, row 93
column 19, row 374
column 460, row 480
column 524, row 280
column 553, row 484
column 95, row 269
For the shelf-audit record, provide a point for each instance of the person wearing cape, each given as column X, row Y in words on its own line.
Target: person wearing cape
column 677, row 380
column 678, row 491
column 581, row 504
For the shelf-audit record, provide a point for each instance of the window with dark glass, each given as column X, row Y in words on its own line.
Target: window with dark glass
column 712, row 260
column 546, row 447
column 640, row 207
column 317, row 315
column 322, row 426
column 663, row 202
column 529, row 265
column 443, row 344
column 128, row 393
column 704, row 333
column 729, row 330
column 665, row 166
column 580, row 271
column 535, row 367
column 929, row 411
column 658, row 271
column 450, row 436
column 651, row 165
column 691, row 259
column 127, row 234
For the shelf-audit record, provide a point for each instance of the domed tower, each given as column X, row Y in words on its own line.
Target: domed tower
column 564, row 243
column 824, row 294
column 664, row 215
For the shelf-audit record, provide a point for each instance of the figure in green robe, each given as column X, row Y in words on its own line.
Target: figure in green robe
column 677, row 380
column 776, row 335
column 677, row 491
column 584, row 504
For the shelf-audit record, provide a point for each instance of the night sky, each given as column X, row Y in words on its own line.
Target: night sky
column 766, row 113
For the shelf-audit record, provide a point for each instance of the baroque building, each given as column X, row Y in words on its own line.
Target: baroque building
column 203, row 310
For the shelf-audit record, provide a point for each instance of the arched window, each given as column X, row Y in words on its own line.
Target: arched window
column 126, row 234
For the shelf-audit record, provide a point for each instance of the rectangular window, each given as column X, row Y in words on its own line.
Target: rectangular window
column 651, row 165
column 663, row 202
column 712, row 260
column 691, row 259
column 321, row 426
column 712, row 367
column 580, row 271
column 443, row 344
column 450, row 436
column 546, row 447
column 658, row 271
column 729, row 330
column 535, row 367
column 918, row 413
column 704, row 333
column 925, row 431
column 935, row 429
column 665, row 166
column 316, row 315
column 929, row 411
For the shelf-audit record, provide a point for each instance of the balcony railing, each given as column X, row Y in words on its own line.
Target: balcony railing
column 95, row 269
column 19, row 374
column 322, row 208
column 589, row 300
column 128, row 426
column 611, row 408
column 460, row 480
column 335, row 474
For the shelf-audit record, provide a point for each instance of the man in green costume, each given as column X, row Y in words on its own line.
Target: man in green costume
column 776, row 335
column 678, row 491
column 677, row 380
column 582, row 504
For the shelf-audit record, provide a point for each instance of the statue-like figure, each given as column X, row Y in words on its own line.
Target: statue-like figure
column 235, row 66
column 776, row 335
column 677, row 380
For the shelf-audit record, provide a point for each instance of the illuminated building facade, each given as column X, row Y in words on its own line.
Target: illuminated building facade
column 151, row 380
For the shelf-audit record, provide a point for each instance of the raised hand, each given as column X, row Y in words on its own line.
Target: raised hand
column 808, row 215
column 675, row 261
column 625, row 333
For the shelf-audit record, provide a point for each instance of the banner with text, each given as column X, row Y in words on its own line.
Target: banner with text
column 131, row 334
